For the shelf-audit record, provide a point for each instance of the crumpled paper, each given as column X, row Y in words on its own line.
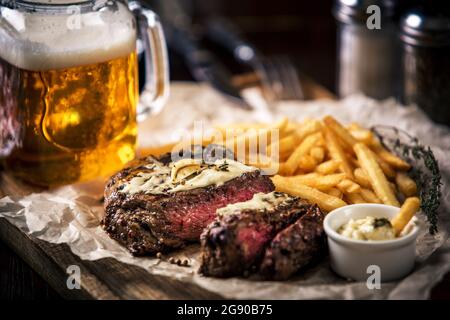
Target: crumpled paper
column 72, row 214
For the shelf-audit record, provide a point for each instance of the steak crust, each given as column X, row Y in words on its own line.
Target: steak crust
column 295, row 247
column 149, row 223
column 234, row 245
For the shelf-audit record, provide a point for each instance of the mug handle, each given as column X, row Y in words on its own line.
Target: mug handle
column 156, row 88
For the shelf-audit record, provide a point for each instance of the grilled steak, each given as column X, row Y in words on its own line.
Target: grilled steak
column 234, row 244
column 295, row 247
column 150, row 208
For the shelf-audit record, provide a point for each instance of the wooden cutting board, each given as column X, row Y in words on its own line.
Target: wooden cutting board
column 101, row 279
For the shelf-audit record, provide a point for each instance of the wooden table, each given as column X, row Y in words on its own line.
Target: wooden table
column 103, row 279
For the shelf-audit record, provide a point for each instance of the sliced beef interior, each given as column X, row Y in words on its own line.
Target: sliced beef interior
column 295, row 247
column 234, row 244
column 150, row 223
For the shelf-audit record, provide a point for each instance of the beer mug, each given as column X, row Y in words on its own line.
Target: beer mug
column 69, row 86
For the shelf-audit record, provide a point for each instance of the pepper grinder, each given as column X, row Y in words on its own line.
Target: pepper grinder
column 425, row 36
column 368, row 58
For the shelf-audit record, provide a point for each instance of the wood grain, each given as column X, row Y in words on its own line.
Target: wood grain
column 18, row 281
column 102, row 279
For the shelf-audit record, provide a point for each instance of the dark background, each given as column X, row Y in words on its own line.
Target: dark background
column 303, row 29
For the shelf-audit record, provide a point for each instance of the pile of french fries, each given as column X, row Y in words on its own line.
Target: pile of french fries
column 332, row 165
column 321, row 161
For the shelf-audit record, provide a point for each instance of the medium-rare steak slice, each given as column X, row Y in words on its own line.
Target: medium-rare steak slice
column 156, row 205
column 235, row 242
column 295, row 247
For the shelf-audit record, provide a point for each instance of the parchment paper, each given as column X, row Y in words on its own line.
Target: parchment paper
column 71, row 214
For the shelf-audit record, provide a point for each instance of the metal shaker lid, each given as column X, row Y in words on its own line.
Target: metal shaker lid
column 356, row 10
column 429, row 27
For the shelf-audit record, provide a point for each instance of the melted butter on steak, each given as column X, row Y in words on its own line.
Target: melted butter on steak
column 259, row 202
column 158, row 178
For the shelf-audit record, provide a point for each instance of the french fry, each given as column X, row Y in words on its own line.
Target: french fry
column 387, row 169
column 292, row 127
column 375, row 142
column 284, row 156
column 391, row 159
column 328, row 167
column 241, row 126
column 407, row 211
column 321, row 143
column 380, row 184
column 318, row 153
column 362, row 135
column 369, row 196
column 340, row 131
column 323, row 200
column 354, row 126
column 220, row 133
column 354, row 162
column 335, row 192
column 361, row 178
column 286, row 144
column 393, row 187
column 302, row 150
column 406, row 185
column 337, row 153
column 282, row 168
column 244, row 137
column 308, row 127
column 281, row 125
column 307, row 163
column 316, row 160
column 318, row 181
column 354, row 198
column 233, row 138
column 299, row 172
column 348, row 186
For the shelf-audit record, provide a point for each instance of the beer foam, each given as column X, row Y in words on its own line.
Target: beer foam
column 42, row 41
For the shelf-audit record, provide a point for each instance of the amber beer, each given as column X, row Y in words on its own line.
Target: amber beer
column 71, row 123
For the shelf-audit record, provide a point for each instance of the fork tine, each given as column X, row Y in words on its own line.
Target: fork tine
column 285, row 87
column 297, row 85
column 262, row 73
column 279, row 79
column 285, row 93
column 274, row 79
column 290, row 79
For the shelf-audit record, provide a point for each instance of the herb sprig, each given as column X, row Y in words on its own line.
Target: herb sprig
column 425, row 168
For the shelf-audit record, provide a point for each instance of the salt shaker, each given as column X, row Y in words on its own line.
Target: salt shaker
column 368, row 58
column 425, row 37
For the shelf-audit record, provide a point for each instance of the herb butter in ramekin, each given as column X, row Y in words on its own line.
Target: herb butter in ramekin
column 368, row 228
column 352, row 258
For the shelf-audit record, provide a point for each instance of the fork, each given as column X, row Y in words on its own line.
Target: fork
column 277, row 75
column 279, row 79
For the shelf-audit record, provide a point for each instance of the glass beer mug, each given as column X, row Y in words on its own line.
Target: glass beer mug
column 69, row 86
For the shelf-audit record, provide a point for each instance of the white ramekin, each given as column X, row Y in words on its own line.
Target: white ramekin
column 351, row 258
